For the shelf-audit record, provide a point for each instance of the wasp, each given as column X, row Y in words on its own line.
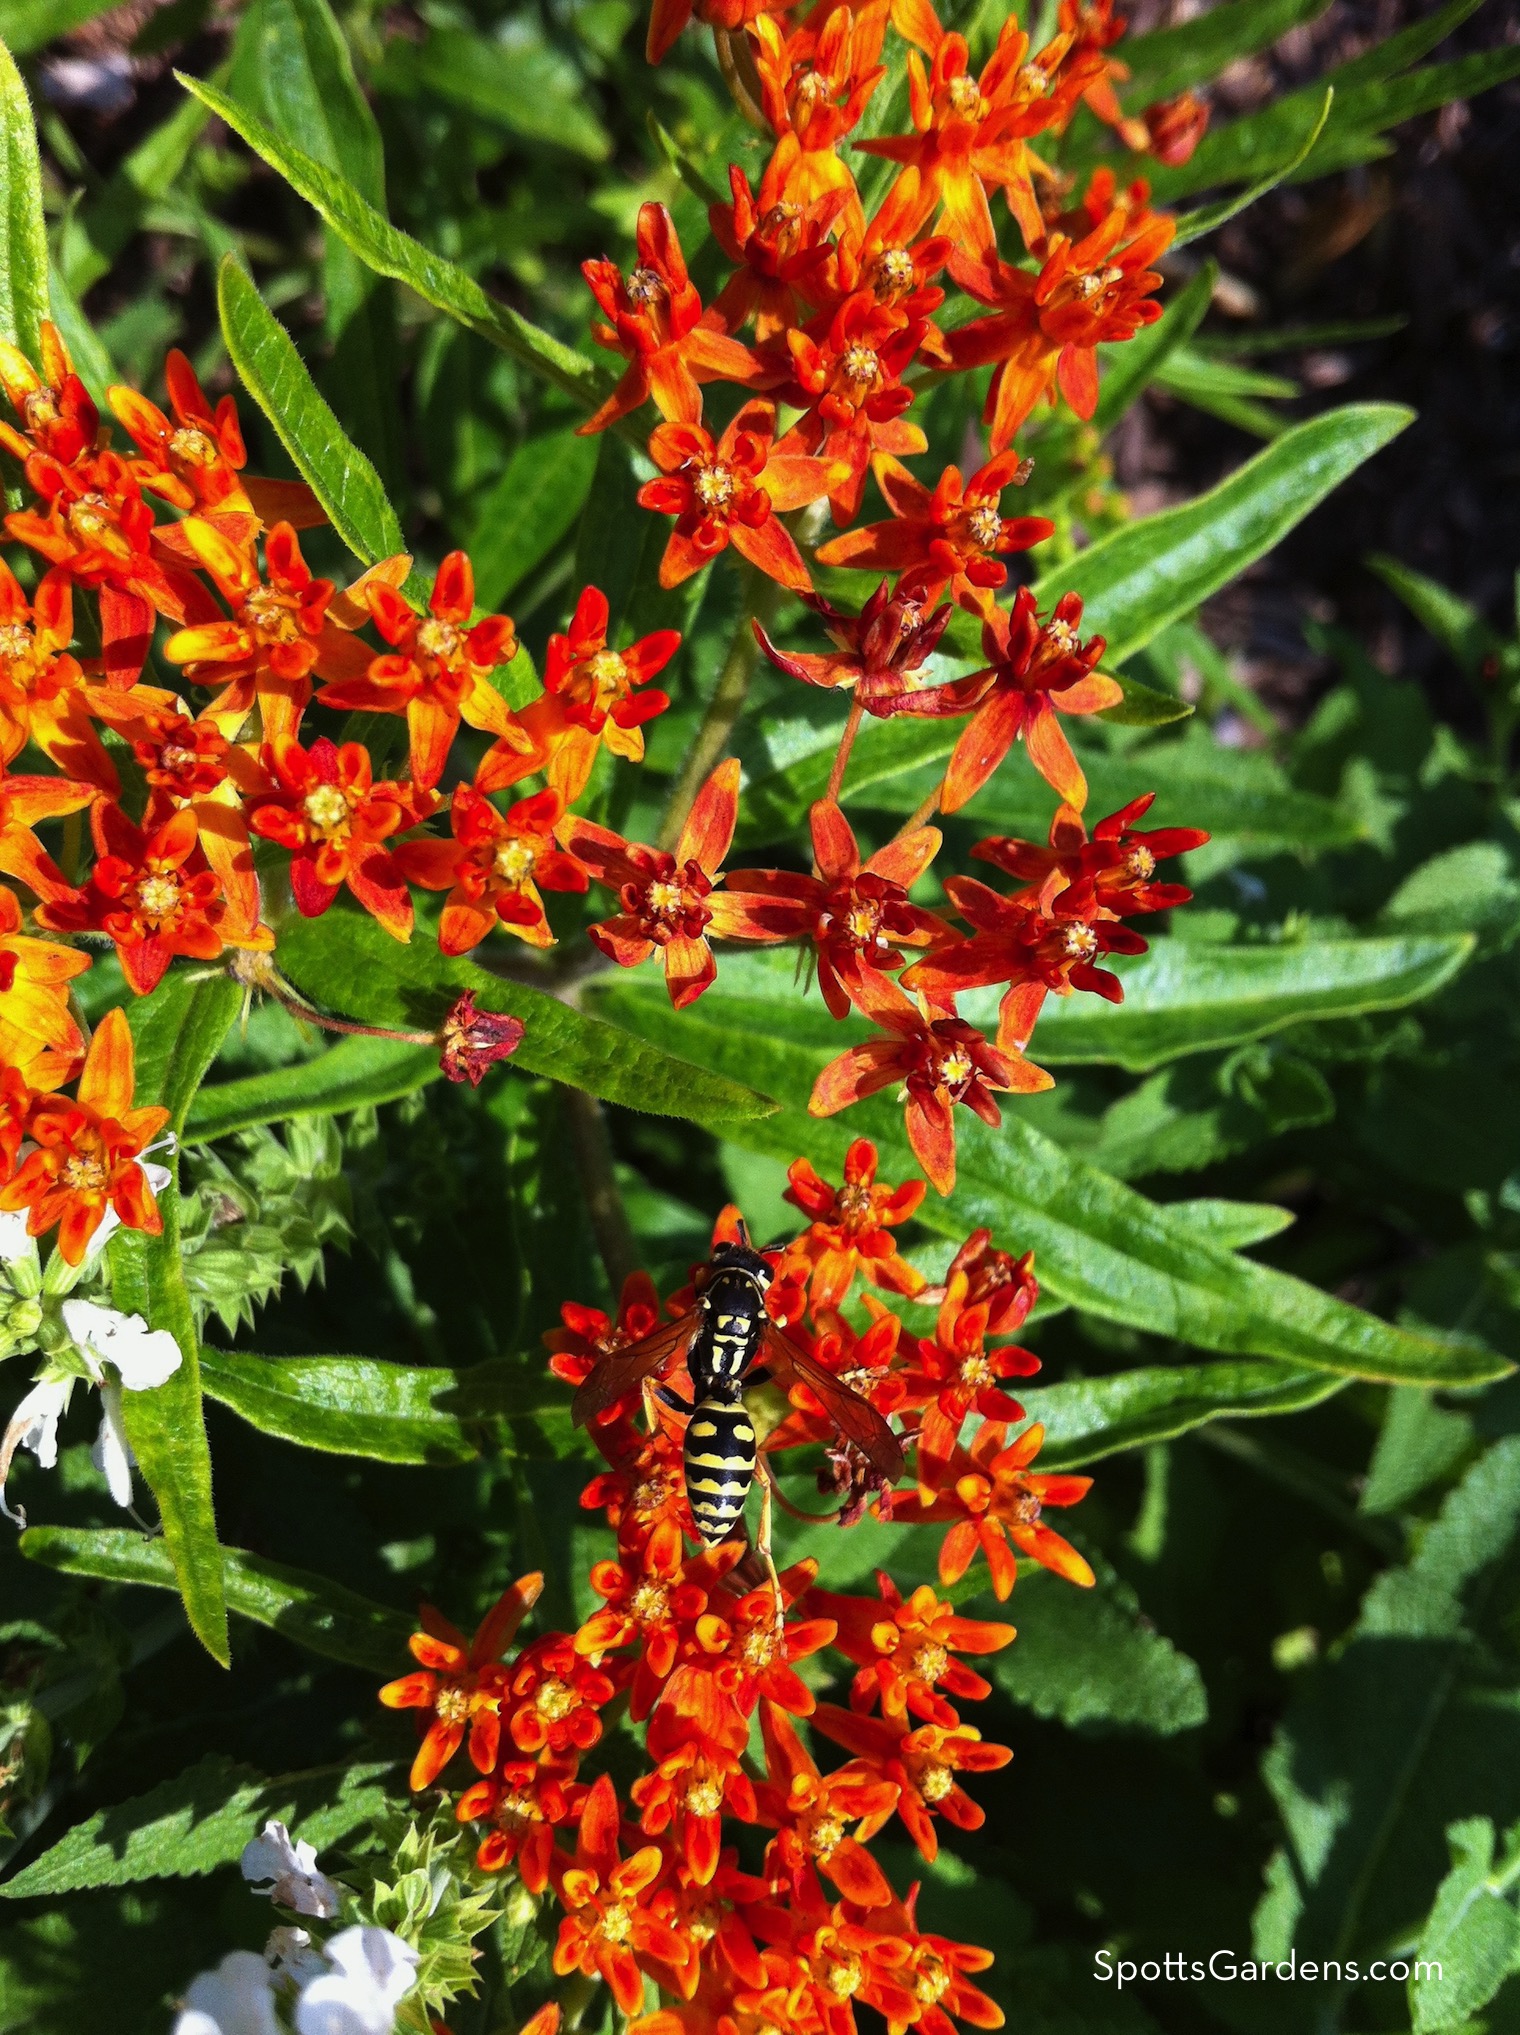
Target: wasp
column 729, row 1342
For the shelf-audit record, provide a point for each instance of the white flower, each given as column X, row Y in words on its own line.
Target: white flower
column 15, row 1244
column 143, row 1356
column 112, row 1452
column 34, row 1426
column 293, row 1958
column 291, row 1870
column 370, row 1971
column 235, row 1999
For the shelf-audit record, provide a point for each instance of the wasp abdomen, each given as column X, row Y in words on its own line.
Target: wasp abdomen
column 720, row 1467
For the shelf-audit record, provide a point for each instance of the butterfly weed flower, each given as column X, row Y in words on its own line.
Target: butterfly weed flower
column 459, row 1684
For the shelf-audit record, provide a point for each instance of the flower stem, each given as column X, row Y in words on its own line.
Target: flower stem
column 757, row 597
column 586, row 1122
column 922, row 813
column 842, row 754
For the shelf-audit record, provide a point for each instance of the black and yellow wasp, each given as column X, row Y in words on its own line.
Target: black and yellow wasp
column 729, row 1342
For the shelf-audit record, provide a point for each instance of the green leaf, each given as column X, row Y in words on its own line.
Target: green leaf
column 347, row 963
column 1086, row 1419
column 1193, row 225
column 198, row 1821
column 92, row 363
column 23, row 237
column 1146, row 706
column 1451, row 620
column 1419, row 1444
column 273, row 373
column 523, row 84
column 1087, row 1657
column 26, row 25
column 1168, row 60
column 323, row 1617
column 1147, row 574
column 177, row 1033
column 354, row 1074
column 1130, row 367
column 1185, row 997
column 1405, row 1718
column 531, row 507
column 390, row 1413
column 95, row 234
column 1099, row 1245
column 390, row 252
column 1472, row 1934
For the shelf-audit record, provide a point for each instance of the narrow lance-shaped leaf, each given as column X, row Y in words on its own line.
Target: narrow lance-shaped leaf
column 1086, row 1419
column 178, row 1033
column 354, row 1074
column 23, row 237
column 390, row 252
column 323, row 1617
column 1168, row 60
column 1193, row 225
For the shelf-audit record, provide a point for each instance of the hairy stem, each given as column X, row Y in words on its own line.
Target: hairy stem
column 757, row 599
column 587, row 1124
column 923, row 812
column 842, row 754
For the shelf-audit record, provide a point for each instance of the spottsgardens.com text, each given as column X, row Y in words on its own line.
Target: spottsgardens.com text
column 1227, row 1965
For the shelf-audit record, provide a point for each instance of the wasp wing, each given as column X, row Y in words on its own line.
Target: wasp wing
column 621, row 1371
column 857, row 1420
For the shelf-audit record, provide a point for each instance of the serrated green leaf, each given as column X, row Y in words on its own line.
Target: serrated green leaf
column 390, row 252
column 1471, row 1935
column 1168, row 60
column 177, row 1033
column 390, row 1413
column 23, row 236
column 530, row 508
column 1130, row 367
column 324, row 1617
column 1087, row 1657
column 334, row 468
column 524, row 85
column 198, row 1821
column 1087, row 1419
column 345, row 962
column 1187, row 997
column 353, row 1074
column 1099, row 1245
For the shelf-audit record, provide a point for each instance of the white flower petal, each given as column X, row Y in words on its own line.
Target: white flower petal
column 235, row 1999
column 144, row 1356
column 14, row 1241
column 292, row 1871
column 371, row 1971
column 34, row 1426
column 292, row 1956
column 112, row 1452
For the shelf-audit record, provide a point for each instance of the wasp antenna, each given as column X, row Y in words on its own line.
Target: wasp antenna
column 744, row 1236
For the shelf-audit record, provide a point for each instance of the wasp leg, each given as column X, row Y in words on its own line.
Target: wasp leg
column 673, row 1400
column 763, row 1543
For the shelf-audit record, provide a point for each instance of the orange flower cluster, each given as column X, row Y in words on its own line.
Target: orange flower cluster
column 649, row 1883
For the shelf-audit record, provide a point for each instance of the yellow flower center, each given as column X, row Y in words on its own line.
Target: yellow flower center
column 15, row 643
column 441, row 641
column 90, row 518
column 760, row 1643
column 555, row 1699
column 644, row 286
column 704, row 1797
column 1090, row 286
column 956, row 1069
column 1140, row 862
column 714, row 485
column 1080, row 941
column 843, row 1976
column 190, row 445
column 85, row 1173
column 825, row 1834
column 976, row 1370
column 860, row 364
column 608, row 672
column 617, row 1922
column 326, row 808
column 158, row 896
column 514, row 860
column 650, row 1602
column 452, row 1706
column 271, row 615
column 862, row 923
column 965, row 97
column 894, row 269
column 39, row 410
column 931, row 1981
column 936, row 1780
column 985, row 526
column 1061, row 637
column 928, row 1661
column 663, row 899
column 513, row 1813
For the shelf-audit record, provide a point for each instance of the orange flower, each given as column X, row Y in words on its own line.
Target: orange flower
column 280, row 633
column 555, row 1697
column 782, row 247
column 56, row 414
column 1005, row 1285
column 814, row 86
column 936, row 1977
column 1118, row 863
column 848, row 378
column 88, row 1157
column 992, row 1495
column 461, row 1686
column 949, row 540
column 652, row 1605
column 194, row 460
column 24, row 803
column 588, row 702
column 905, row 1650
column 668, row 900
column 588, row 1335
column 732, row 491
column 327, row 809
column 34, row 995
column 492, row 868
column 437, row 671
column 848, row 1229
column 695, row 1779
column 834, row 1956
column 812, row 1814
column 939, row 1061
column 654, row 321
column 610, row 1929
column 1035, row 671
column 881, row 653
column 739, row 1649
column 956, row 1374
column 524, row 1803
column 41, row 686
column 147, row 894
column 854, row 913
column 922, row 1764
column 971, row 134
column 644, row 1492
column 1047, row 327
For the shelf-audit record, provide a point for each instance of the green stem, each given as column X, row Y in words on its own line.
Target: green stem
column 922, row 813
column 757, row 599
column 586, row 1122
